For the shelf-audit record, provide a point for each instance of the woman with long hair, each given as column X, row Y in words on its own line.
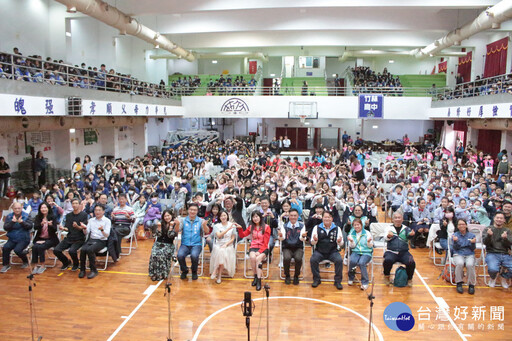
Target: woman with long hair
column 223, row 253
column 45, row 225
column 162, row 252
column 259, row 235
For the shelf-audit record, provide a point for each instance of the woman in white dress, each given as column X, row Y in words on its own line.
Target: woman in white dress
column 223, row 253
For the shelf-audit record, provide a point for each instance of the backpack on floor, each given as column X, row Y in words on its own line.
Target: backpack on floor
column 446, row 274
column 400, row 279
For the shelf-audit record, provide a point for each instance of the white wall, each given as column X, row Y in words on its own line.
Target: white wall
column 232, row 65
column 318, row 72
column 182, row 66
column 273, row 66
column 395, row 129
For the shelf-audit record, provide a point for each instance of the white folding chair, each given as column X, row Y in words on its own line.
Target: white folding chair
column 133, row 240
column 200, row 264
column 326, row 269
column 235, row 260
column 266, row 272
column 432, row 245
column 370, row 265
column 477, row 230
column 102, row 256
column 281, row 265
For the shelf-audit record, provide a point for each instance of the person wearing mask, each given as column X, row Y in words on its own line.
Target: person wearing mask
column 498, row 239
column 327, row 239
column 75, row 237
column 464, row 244
column 192, row 230
column 17, row 225
column 122, row 219
column 290, row 235
column 45, row 226
column 397, row 236
column 361, row 250
column 259, row 234
column 97, row 232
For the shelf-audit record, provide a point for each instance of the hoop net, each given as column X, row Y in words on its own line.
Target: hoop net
column 302, row 118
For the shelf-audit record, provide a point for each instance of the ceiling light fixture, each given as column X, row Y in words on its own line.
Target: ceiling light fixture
column 214, row 62
column 391, row 61
column 68, row 34
column 157, row 46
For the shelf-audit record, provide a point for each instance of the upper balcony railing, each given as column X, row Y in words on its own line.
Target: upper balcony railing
column 481, row 87
column 29, row 69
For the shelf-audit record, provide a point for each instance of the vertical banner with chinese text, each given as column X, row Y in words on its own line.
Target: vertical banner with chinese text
column 371, row 106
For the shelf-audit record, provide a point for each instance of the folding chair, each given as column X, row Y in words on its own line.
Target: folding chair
column 103, row 253
column 450, row 262
column 235, row 261
column 384, row 249
column 281, row 259
column 325, row 269
column 133, row 238
column 479, row 261
column 432, row 245
column 370, row 265
column 200, row 265
column 266, row 272
column 2, row 222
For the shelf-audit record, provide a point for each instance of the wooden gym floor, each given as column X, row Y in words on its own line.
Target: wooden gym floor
column 122, row 303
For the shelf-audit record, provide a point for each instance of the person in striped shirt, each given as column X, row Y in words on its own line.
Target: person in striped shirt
column 122, row 219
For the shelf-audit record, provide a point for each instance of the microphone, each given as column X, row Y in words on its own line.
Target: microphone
column 247, row 305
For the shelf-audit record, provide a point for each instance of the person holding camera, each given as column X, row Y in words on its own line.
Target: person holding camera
column 97, row 232
column 162, row 252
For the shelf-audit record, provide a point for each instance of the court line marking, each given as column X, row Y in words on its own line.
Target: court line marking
column 150, row 290
column 439, row 300
column 198, row 331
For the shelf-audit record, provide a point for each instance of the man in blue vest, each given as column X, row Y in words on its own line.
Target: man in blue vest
column 290, row 235
column 192, row 230
column 328, row 239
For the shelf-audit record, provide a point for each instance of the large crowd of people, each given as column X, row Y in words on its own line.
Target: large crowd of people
column 56, row 72
column 220, row 194
column 367, row 81
column 224, row 85
column 479, row 87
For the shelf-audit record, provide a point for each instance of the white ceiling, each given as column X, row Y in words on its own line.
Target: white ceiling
column 230, row 24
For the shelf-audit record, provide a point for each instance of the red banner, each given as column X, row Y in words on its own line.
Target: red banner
column 442, row 67
column 253, row 67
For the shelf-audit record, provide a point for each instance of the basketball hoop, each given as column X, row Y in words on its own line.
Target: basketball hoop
column 302, row 119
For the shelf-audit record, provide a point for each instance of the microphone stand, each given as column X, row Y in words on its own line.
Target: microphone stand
column 167, row 293
column 371, row 298
column 33, row 315
column 267, row 291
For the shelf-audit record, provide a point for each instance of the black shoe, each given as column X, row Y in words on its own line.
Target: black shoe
column 254, row 281
column 92, row 274
column 64, row 267
column 287, row 280
column 412, row 244
column 471, row 289
column 74, row 268
column 295, row 280
column 184, row 275
column 460, row 290
column 439, row 251
column 194, row 276
column 338, row 285
column 258, row 284
column 81, row 274
column 316, row 282
column 328, row 265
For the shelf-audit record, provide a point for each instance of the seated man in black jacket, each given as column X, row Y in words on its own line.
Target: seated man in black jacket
column 328, row 239
column 397, row 237
column 75, row 238
column 292, row 235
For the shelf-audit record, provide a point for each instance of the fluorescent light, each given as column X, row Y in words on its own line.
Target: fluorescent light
column 157, row 46
column 391, row 61
column 272, row 75
column 72, row 130
column 334, row 75
column 214, row 62
column 68, row 34
column 71, row 9
column 375, row 127
column 213, row 122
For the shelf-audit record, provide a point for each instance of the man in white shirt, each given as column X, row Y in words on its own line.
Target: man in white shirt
column 232, row 159
column 97, row 232
column 286, row 143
